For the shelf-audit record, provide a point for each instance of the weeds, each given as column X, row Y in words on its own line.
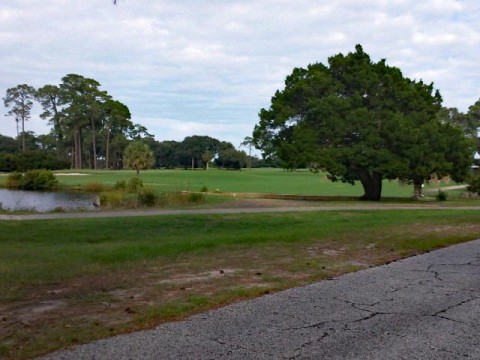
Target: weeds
column 133, row 194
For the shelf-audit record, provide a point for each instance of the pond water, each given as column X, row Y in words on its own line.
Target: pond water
column 45, row 201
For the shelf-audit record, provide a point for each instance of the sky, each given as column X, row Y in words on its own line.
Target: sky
column 207, row 67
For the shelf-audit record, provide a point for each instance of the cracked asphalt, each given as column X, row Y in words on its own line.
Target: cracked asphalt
column 423, row 307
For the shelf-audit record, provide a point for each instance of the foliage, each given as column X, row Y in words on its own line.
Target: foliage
column 231, row 158
column 120, row 185
column 33, row 180
column 19, row 100
column 31, row 160
column 133, row 194
column 8, row 145
column 138, row 156
column 197, row 151
column 196, row 198
column 359, row 120
column 14, row 180
column 474, row 183
column 441, row 195
column 147, row 197
column 112, row 198
column 134, row 185
column 94, row 187
column 86, row 122
column 468, row 122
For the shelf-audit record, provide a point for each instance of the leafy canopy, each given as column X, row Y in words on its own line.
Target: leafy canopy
column 357, row 120
column 138, row 156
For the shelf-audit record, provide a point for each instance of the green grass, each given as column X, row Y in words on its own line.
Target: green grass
column 35, row 252
column 275, row 181
column 85, row 263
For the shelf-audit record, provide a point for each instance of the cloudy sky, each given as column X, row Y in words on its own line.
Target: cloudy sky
column 207, row 67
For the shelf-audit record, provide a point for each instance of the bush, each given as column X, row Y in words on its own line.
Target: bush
column 120, row 185
column 147, row 197
column 113, row 198
column 474, row 184
column 30, row 160
column 33, row 180
column 195, row 198
column 14, row 180
column 441, row 195
column 94, row 187
column 204, row 189
column 134, row 185
column 133, row 194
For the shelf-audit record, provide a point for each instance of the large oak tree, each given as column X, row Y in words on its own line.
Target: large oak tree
column 360, row 120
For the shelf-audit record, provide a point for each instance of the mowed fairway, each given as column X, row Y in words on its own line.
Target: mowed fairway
column 64, row 282
column 275, row 181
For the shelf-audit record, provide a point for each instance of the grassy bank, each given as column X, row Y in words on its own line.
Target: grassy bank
column 64, row 282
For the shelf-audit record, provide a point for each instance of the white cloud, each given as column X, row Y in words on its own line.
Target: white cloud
column 210, row 66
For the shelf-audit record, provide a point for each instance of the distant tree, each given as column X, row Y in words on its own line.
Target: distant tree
column 49, row 97
column 249, row 143
column 356, row 120
column 468, row 123
column 8, row 145
column 195, row 149
column 166, row 154
column 138, row 156
column 19, row 100
column 230, row 158
column 473, row 118
column 116, row 121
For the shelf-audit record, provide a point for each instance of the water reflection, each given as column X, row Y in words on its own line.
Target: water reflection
column 45, row 201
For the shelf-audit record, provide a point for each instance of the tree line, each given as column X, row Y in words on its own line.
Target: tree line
column 194, row 152
column 90, row 129
column 86, row 122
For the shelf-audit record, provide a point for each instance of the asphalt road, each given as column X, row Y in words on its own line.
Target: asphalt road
column 423, row 307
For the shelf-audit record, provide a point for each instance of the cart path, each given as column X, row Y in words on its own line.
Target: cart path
column 246, row 210
column 422, row 307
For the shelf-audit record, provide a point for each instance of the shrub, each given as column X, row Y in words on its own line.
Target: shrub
column 474, row 184
column 441, row 195
column 33, row 180
column 134, row 185
column 120, row 185
column 32, row 159
column 195, row 198
column 147, row 197
column 203, row 189
column 113, row 198
column 94, row 187
column 14, row 180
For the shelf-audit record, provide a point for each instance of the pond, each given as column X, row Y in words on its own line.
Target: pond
column 45, row 201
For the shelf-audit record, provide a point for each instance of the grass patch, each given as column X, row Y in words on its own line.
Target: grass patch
column 104, row 276
column 275, row 181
